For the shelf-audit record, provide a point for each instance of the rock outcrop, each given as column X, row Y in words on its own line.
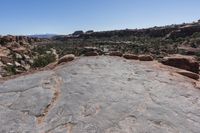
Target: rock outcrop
column 100, row 95
column 188, row 63
column 115, row 53
column 145, row 58
column 189, row 74
column 66, row 58
column 131, row 56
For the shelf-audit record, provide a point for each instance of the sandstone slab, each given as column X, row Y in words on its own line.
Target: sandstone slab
column 100, row 95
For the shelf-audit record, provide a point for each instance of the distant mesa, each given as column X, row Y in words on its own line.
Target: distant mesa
column 43, row 36
column 77, row 33
column 80, row 32
column 89, row 32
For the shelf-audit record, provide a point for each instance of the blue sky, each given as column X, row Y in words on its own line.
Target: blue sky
column 20, row 17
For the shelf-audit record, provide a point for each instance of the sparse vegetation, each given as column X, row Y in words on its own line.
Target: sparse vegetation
column 43, row 60
column 158, row 42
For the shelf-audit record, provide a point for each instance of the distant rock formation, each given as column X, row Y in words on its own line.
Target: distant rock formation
column 78, row 33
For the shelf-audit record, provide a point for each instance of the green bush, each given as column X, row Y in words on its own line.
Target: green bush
column 43, row 60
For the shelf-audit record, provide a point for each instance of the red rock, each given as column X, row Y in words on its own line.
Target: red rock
column 6, row 59
column 145, row 58
column 4, row 51
column 188, row 63
column 189, row 74
column 131, row 56
column 115, row 53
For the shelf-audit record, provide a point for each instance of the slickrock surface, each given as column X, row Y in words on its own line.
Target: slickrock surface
column 100, row 95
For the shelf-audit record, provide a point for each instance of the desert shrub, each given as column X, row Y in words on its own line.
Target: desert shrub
column 198, row 54
column 43, row 60
column 10, row 70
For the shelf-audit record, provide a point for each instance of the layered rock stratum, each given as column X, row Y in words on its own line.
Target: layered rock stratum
column 100, row 95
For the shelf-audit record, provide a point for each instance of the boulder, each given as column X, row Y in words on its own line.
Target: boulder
column 189, row 74
column 10, row 64
column 188, row 63
column 145, row 58
column 66, row 58
column 27, row 57
column 131, row 56
column 27, row 67
column 115, row 53
column 18, row 56
column 17, row 64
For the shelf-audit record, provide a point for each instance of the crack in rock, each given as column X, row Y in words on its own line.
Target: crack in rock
column 56, row 86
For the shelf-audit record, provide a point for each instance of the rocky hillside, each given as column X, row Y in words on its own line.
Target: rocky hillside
column 142, row 80
column 20, row 53
column 101, row 95
column 16, row 54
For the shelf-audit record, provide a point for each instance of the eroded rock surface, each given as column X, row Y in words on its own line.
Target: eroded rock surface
column 100, row 95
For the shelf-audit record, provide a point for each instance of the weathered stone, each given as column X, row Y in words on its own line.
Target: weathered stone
column 145, row 58
column 27, row 57
column 115, row 53
column 183, row 62
column 189, row 74
column 18, row 56
column 66, row 58
column 17, row 64
column 27, row 67
column 30, row 61
column 131, row 56
column 22, row 62
column 101, row 95
column 9, row 64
